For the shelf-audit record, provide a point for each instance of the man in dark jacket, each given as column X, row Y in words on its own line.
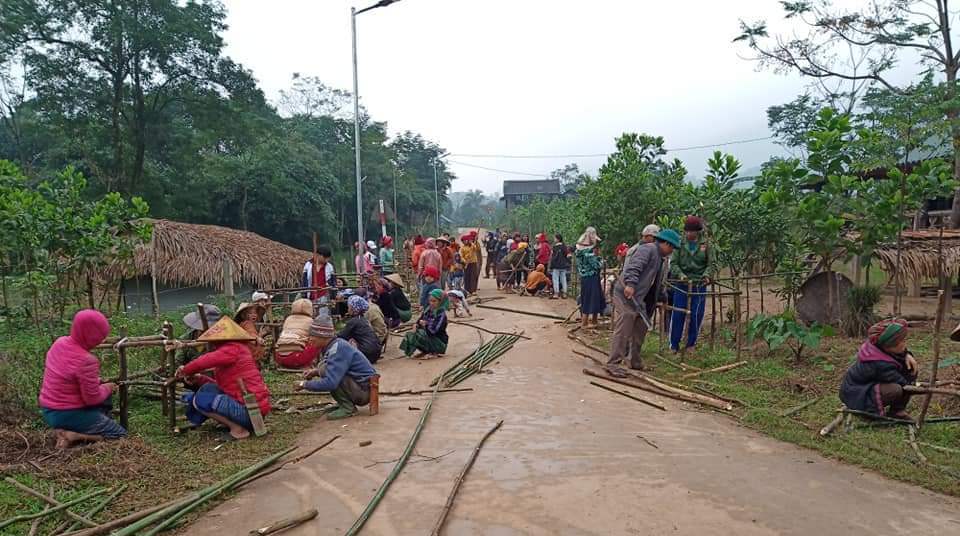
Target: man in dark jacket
column 358, row 330
column 637, row 287
column 884, row 365
column 560, row 267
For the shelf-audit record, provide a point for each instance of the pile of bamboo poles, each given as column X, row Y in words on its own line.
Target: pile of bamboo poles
column 479, row 358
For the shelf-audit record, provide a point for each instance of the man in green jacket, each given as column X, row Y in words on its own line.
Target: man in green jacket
column 691, row 266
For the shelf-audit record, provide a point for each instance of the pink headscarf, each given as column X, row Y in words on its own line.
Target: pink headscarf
column 430, row 244
column 89, row 328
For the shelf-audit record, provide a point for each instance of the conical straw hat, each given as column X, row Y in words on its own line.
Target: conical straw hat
column 225, row 330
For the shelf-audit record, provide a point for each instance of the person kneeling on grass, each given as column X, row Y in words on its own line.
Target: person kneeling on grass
column 875, row 381
column 73, row 401
column 221, row 397
column 345, row 374
column 358, row 331
column 291, row 345
column 430, row 337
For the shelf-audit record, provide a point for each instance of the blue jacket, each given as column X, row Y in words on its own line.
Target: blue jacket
column 342, row 359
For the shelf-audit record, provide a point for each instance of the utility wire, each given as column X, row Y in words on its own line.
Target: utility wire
column 499, row 170
column 598, row 155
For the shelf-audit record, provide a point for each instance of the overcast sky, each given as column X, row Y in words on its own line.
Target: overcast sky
column 529, row 77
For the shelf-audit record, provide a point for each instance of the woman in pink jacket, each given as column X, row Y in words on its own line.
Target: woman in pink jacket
column 73, row 401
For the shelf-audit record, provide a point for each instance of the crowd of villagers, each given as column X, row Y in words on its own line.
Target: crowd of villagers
column 662, row 267
column 77, row 403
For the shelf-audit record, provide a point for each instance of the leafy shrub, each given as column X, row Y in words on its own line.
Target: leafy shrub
column 784, row 329
column 860, row 304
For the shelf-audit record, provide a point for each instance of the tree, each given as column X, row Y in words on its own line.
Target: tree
column 570, row 177
column 119, row 64
column 876, row 36
column 792, row 122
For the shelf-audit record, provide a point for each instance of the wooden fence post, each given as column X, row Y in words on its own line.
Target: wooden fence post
column 228, row 282
column 124, row 390
column 736, row 314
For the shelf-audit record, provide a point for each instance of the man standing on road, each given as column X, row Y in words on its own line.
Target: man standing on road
column 492, row 245
column 638, row 286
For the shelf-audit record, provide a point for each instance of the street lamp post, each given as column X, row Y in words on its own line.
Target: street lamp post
column 356, row 118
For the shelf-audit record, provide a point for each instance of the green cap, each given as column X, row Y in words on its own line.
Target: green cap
column 669, row 236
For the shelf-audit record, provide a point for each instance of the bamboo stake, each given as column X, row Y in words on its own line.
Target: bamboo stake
column 49, row 500
column 285, row 523
column 124, row 390
column 724, row 368
column 713, row 315
column 459, row 480
column 628, row 395
column 401, row 462
column 53, row 509
column 736, row 314
column 91, row 513
column 935, row 365
column 531, row 313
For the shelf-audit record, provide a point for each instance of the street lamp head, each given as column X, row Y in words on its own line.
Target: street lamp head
column 381, row 3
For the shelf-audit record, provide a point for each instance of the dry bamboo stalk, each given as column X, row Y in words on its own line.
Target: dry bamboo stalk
column 285, row 523
column 628, row 395
column 935, row 366
column 51, row 501
column 53, row 509
column 531, row 313
column 828, row 429
column 653, row 386
column 801, row 407
column 930, row 390
column 717, row 369
column 912, row 430
column 490, row 331
column 459, row 480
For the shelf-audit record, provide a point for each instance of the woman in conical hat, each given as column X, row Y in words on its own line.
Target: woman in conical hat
column 220, row 397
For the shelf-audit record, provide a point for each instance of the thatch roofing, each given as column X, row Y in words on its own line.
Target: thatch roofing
column 919, row 258
column 192, row 254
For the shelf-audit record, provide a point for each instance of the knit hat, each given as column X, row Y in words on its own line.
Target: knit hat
column 395, row 279
column 431, row 271
column 650, row 230
column 442, row 297
column 322, row 325
column 225, row 330
column 887, row 333
column 358, row 305
column 669, row 236
column 693, row 223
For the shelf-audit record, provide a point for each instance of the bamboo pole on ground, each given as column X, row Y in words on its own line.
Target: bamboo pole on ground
column 647, row 383
column 459, row 480
column 53, row 509
column 284, row 524
column 51, row 501
column 91, row 513
column 628, row 395
column 531, row 313
column 716, row 369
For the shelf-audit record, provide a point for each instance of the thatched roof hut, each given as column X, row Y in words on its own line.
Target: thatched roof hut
column 194, row 255
column 919, row 257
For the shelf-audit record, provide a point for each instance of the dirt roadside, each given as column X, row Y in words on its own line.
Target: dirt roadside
column 568, row 461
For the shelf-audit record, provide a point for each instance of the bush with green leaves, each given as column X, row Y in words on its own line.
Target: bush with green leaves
column 860, row 315
column 785, row 329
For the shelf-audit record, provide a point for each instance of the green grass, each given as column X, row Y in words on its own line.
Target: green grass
column 155, row 464
column 770, row 384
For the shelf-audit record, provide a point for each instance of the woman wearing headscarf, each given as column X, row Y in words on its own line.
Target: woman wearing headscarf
column 386, row 255
column 358, row 331
column 430, row 337
column 220, row 397
column 589, row 265
column 874, row 383
column 430, row 257
column 73, row 401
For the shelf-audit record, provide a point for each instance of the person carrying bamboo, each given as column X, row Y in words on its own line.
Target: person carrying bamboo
column 345, row 372
column 635, row 296
column 874, row 382
column 690, row 265
column 430, row 336
column 220, row 397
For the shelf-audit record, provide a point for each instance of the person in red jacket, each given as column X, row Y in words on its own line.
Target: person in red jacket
column 221, row 397
column 543, row 249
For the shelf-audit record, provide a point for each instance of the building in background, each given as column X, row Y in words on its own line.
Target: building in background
column 521, row 193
